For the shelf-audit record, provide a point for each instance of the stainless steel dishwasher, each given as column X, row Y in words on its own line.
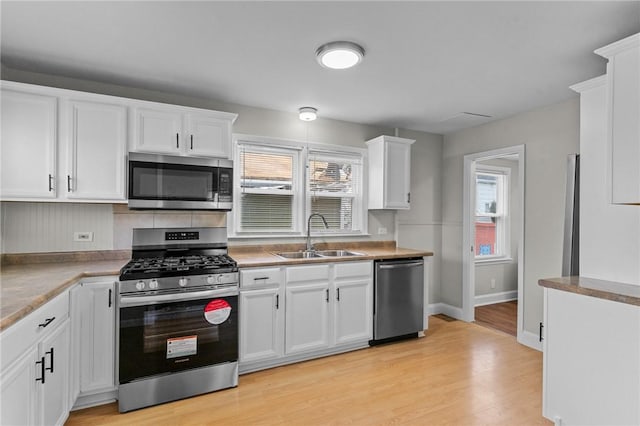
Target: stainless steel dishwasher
column 398, row 299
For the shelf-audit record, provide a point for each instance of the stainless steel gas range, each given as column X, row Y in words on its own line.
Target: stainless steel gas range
column 178, row 316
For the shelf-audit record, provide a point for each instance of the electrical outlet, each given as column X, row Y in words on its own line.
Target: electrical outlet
column 382, row 231
column 493, row 283
column 83, row 236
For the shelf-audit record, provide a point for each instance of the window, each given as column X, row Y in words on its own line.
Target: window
column 492, row 220
column 334, row 189
column 276, row 194
column 268, row 190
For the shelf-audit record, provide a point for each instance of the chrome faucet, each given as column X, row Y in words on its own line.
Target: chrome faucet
column 326, row 225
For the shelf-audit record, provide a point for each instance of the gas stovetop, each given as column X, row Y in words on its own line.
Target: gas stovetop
column 158, row 267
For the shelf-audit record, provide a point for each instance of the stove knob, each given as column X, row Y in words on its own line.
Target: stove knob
column 212, row 279
column 140, row 285
column 182, row 282
column 153, row 284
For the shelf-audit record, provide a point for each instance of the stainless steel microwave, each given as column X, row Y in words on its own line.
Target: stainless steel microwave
column 179, row 183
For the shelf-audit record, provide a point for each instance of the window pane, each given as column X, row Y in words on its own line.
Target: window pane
column 336, row 210
column 265, row 212
column 262, row 170
column 330, row 176
column 485, row 236
column 486, row 193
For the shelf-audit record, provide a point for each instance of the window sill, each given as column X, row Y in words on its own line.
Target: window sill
column 494, row 260
column 291, row 236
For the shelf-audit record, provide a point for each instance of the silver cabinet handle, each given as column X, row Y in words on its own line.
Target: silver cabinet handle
column 400, row 265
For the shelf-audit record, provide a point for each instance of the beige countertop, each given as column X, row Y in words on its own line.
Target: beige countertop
column 602, row 289
column 28, row 281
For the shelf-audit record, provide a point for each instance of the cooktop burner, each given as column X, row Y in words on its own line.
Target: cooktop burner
column 155, row 267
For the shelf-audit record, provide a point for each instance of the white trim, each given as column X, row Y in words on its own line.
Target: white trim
column 492, row 260
column 446, row 309
column 529, row 339
column 491, row 298
column 468, row 233
column 589, row 84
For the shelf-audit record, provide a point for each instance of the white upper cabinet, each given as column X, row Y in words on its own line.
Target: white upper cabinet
column 29, row 144
column 167, row 129
column 389, row 173
column 158, row 131
column 623, row 75
column 97, row 151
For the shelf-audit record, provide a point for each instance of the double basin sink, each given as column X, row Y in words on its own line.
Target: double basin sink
column 310, row 254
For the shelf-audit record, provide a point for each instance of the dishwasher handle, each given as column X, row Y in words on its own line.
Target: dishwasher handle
column 400, row 265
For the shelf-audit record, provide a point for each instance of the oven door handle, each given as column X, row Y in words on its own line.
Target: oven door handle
column 127, row 301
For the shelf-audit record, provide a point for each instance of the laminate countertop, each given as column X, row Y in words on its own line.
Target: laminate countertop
column 602, row 289
column 29, row 281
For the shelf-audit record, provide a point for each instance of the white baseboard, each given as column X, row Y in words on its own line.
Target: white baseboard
column 444, row 308
column 490, row 299
column 530, row 339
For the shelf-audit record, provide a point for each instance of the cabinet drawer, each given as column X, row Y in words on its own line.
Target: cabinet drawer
column 307, row 273
column 353, row 269
column 28, row 331
column 260, row 277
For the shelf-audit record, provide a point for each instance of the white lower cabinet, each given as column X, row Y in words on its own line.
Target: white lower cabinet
column 94, row 337
column 261, row 319
column 307, row 317
column 35, row 367
column 301, row 312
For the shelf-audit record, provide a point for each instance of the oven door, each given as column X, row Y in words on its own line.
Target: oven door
column 176, row 332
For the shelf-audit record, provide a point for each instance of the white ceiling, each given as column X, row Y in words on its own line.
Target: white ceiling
column 425, row 63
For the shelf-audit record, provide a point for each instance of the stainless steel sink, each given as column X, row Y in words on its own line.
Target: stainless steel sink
column 298, row 254
column 315, row 254
column 338, row 253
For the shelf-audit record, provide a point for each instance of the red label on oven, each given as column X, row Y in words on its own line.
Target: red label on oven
column 217, row 311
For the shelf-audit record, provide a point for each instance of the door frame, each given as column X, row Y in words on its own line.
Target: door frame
column 468, row 231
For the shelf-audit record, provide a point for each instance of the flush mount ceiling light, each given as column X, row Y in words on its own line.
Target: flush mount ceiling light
column 308, row 113
column 339, row 55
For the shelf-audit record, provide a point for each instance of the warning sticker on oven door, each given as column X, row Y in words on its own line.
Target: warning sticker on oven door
column 182, row 346
column 217, row 311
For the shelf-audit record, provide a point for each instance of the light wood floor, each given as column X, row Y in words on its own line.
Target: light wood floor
column 460, row 374
column 500, row 316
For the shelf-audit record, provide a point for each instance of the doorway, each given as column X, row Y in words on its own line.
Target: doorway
column 493, row 231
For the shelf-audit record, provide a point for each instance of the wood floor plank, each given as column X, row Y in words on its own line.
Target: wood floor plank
column 459, row 374
column 500, row 316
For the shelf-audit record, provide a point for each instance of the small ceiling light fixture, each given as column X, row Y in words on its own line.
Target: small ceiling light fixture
column 339, row 55
column 308, row 113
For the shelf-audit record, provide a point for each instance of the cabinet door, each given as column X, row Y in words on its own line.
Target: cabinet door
column 397, row 175
column 18, row 394
column 158, row 131
column 97, row 336
column 28, row 148
column 261, row 324
column 307, row 317
column 208, row 136
column 55, row 389
column 353, row 319
column 98, row 137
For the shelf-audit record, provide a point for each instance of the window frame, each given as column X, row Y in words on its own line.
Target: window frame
column 300, row 187
column 502, row 214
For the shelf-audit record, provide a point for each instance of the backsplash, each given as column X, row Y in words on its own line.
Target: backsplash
column 49, row 227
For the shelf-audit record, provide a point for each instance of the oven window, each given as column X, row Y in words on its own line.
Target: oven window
column 168, row 337
column 153, row 181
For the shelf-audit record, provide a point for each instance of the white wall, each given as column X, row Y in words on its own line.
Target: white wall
column 549, row 135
